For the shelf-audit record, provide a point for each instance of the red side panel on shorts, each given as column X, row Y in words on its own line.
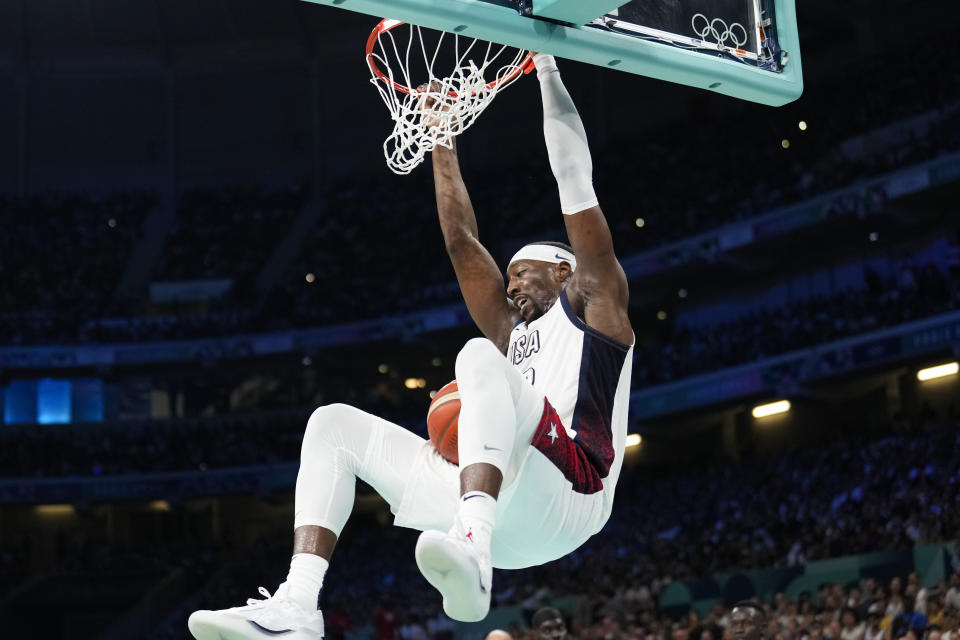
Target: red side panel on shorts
column 551, row 440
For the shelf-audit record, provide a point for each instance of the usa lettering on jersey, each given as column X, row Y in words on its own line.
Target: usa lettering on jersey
column 525, row 346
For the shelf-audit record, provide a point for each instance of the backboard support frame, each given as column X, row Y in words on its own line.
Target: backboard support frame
column 503, row 24
column 574, row 11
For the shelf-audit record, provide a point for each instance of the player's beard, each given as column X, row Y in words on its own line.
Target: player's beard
column 536, row 310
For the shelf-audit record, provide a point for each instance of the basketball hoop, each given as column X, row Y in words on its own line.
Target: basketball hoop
column 401, row 60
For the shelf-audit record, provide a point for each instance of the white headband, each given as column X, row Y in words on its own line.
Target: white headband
column 544, row 253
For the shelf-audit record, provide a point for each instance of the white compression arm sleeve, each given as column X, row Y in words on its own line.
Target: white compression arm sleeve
column 566, row 140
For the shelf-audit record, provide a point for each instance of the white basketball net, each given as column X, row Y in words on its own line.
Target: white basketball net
column 480, row 71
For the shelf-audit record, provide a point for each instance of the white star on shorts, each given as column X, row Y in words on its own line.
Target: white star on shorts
column 553, row 432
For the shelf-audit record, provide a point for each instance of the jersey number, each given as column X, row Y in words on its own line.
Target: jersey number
column 530, row 375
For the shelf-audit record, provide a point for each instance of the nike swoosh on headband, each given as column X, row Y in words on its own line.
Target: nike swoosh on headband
column 543, row 252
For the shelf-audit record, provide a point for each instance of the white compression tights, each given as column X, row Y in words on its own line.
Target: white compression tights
column 493, row 397
column 342, row 443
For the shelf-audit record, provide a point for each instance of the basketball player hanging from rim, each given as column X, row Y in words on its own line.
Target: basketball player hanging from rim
column 541, row 431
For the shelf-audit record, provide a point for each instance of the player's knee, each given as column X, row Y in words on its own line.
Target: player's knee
column 326, row 421
column 478, row 359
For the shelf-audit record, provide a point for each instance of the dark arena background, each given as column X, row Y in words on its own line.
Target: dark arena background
column 201, row 243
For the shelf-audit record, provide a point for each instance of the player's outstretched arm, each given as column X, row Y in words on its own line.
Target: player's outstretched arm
column 480, row 280
column 598, row 289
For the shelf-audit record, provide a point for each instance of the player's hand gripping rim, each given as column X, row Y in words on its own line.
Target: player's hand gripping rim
column 434, row 101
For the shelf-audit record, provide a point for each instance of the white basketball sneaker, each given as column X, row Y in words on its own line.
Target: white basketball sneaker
column 458, row 565
column 271, row 617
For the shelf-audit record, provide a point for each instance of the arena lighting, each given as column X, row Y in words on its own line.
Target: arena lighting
column 802, row 125
column 160, row 505
column 939, row 371
column 771, row 409
column 54, row 509
column 634, row 440
column 414, row 383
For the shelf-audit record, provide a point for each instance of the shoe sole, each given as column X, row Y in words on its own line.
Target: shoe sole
column 219, row 627
column 455, row 576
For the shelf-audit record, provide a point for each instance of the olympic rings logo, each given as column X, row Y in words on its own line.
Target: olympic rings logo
column 734, row 36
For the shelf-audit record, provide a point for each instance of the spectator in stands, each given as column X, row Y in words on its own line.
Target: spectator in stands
column 852, row 628
column 548, row 624
column 748, row 621
column 440, row 627
column 936, row 617
column 952, row 598
column 951, row 629
column 385, row 620
column 413, row 629
column 895, row 599
column 873, row 630
column 337, row 622
column 909, row 617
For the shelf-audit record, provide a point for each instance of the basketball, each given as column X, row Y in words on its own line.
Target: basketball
column 442, row 421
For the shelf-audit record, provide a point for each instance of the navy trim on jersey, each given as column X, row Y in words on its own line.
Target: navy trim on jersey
column 583, row 326
column 586, row 459
column 600, row 367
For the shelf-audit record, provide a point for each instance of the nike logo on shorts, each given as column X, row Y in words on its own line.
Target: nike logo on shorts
column 486, row 448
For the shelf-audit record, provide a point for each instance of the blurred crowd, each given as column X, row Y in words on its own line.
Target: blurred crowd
column 410, row 259
column 705, row 182
column 879, row 490
column 363, row 257
column 871, row 608
column 61, row 257
column 917, row 291
column 227, row 233
column 151, row 445
column 368, row 255
column 856, row 496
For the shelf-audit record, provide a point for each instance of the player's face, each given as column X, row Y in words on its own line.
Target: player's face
column 552, row 630
column 746, row 624
column 534, row 287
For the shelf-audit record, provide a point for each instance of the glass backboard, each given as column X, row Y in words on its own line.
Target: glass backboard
column 747, row 49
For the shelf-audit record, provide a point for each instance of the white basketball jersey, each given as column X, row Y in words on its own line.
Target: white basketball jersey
column 585, row 375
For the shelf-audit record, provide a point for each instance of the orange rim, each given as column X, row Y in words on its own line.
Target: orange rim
column 385, row 25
